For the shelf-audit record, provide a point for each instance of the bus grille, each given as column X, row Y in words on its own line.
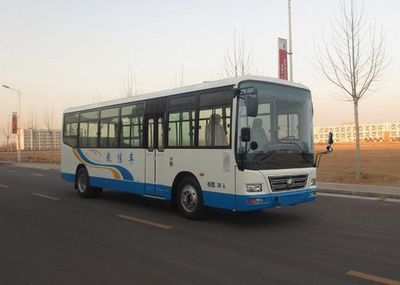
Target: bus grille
column 284, row 183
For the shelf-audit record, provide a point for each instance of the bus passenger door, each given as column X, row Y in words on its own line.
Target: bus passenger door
column 155, row 149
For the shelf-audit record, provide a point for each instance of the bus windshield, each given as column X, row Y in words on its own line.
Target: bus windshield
column 282, row 128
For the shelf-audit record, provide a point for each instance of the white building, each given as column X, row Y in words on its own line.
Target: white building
column 41, row 139
column 389, row 131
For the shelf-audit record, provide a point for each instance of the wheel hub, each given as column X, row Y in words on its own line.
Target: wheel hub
column 189, row 199
column 82, row 183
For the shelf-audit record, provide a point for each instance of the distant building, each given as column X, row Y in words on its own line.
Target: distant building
column 389, row 131
column 41, row 139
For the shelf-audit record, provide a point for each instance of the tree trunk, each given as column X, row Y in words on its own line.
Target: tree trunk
column 357, row 163
column 51, row 146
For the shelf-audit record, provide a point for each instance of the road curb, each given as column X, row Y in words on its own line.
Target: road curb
column 359, row 193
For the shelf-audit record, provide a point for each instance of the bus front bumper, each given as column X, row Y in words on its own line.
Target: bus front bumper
column 258, row 202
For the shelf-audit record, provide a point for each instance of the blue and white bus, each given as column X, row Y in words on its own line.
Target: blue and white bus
column 242, row 144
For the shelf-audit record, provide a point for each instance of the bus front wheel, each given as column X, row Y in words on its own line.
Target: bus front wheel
column 83, row 185
column 190, row 199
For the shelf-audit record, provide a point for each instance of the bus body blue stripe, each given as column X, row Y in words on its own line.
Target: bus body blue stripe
column 241, row 202
column 68, row 177
column 211, row 199
column 125, row 186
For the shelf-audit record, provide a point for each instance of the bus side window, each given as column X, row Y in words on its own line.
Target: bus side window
column 132, row 126
column 109, row 128
column 181, row 121
column 88, row 129
column 181, row 128
column 214, row 127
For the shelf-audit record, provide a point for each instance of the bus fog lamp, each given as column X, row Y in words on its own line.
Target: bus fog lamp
column 254, row 187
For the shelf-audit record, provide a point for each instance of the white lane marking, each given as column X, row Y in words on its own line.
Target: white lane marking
column 359, row 197
column 3, row 186
column 374, row 278
column 146, row 222
column 45, row 196
column 37, row 174
column 11, row 171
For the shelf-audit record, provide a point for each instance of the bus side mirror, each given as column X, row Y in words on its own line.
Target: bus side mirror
column 252, row 105
column 245, row 134
column 330, row 138
column 329, row 149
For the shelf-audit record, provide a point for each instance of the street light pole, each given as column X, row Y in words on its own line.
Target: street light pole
column 290, row 53
column 18, row 121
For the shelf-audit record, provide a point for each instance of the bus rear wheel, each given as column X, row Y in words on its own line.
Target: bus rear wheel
column 83, row 185
column 190, row 199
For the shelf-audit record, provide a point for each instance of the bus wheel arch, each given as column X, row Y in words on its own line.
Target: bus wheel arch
column 188, row 196
column 78, row 168
column 82, row 183
column 176, row 182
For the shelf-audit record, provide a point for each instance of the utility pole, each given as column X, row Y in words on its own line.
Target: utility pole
column 290, row 53
column 18, row 121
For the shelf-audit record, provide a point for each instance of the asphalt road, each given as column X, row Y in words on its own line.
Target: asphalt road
column 49, row 235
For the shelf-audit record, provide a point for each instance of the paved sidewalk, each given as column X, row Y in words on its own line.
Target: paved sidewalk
column 389, row 192
column 36, row 165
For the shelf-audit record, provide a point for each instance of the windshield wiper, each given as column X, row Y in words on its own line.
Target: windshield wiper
column 265, row 156
column 305, row 153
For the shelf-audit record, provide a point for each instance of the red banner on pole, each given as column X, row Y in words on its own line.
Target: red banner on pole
column 14, row 123
column 283, row 66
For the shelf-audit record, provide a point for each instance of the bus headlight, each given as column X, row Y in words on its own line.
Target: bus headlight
column 254, row 187
column 312, row 182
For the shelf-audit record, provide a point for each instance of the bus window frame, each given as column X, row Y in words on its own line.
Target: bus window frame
column 143, row 103
column 163, row 107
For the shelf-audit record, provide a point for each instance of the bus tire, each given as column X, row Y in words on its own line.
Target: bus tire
column 189, row 199
column 83, row 184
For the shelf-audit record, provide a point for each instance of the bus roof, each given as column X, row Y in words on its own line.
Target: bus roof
column 186, row 89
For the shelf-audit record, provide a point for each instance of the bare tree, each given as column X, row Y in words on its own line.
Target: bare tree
column 352, row 59
column 33, row 127
column 50, row 123
column 7, row 134
column 181, row 81
column 129, row 85
column 238, row 60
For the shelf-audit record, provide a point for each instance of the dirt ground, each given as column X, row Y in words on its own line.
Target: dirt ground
column 37, row 156
column 380, row 163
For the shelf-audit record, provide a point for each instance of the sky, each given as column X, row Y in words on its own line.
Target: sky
column 67, row 53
